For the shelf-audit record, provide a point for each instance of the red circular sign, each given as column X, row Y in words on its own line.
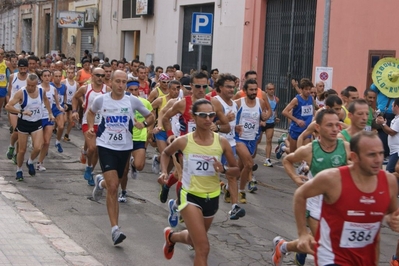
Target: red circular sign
column 324, row 76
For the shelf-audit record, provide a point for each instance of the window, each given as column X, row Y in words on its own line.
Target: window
column 374, row 57
column 129, row 9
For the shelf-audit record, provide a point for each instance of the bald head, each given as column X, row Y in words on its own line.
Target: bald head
column 118, row 74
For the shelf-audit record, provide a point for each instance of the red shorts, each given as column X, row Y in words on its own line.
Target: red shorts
column 85, row 127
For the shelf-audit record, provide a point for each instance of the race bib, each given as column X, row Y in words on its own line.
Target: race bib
column 2, row 77
column 358, row 235
column 191, row 126
column 116, row 137
column 367, row 128
column 307, row 110
column 201, row 165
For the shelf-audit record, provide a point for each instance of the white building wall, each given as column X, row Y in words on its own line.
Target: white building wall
column 9, row 29
column 162, row 35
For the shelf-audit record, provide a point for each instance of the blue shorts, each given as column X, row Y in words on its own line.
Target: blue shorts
column 56, row 112
column 137, row 145
column 3, row 92
column 251, row 145
column 295, row 135
column 224, row 161
column 161, row 135
column 46, row 122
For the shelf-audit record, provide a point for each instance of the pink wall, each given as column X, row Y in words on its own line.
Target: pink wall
column 254, row 37
column 356, row 26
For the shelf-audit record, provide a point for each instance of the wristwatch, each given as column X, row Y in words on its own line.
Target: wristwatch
column 383, row 125
column 145, row 124
column 225, row 168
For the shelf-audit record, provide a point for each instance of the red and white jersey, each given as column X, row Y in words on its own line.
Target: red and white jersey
column 90, row 95
column 348, row 229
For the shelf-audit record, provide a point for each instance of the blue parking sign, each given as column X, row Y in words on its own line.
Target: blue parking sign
column 202, row 23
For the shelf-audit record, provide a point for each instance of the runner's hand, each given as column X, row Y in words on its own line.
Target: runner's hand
column 75, row 116
column 301, row 123
column 170, row 139
column 300, row 180
column 91, row 133
column 306, row 244
column 163, row 178
column 394, row 221
column 231, row 116
column 217, row 165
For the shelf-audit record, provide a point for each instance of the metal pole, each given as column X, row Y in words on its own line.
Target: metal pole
column 326, row 33
column 199, row 57
column 289, row 74
column 55, row 12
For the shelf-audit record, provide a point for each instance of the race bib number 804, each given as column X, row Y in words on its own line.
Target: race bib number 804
column 358, row 235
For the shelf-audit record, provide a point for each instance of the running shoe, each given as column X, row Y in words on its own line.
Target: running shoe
column 66, row 137
column 10, row 152
column 118, row 236
column 173, row 217
column 236, row 213
column 87, row 174
column 168, row 247
column 242, row 197
column 277, row 256
column 163, row 195
column 40, row 167
column 254, row 167
column 31, row 169
column 91, row 181
column 280, row 150
column 252, row 186
column 134, row 172
column 82, row 158
column 155, row 164
column 97, row 190
column 14, row 159
column 59, row 148
column 226, row 195
column 300, row 259
column 282, row 138
column 394, row 261
column 268, row 163
column 122, row 197
column 19, row 176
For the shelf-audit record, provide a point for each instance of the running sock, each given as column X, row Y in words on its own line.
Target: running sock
column 57, row 142
column 30, row 161
column 227, row 186
column 233, row 206
column 283, row 248
column 178, row 187
column 241, row 190
column 19, row 169
column 114, row 228
column 171, row 180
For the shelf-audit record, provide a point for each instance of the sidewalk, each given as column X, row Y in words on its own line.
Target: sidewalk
column 28, row 237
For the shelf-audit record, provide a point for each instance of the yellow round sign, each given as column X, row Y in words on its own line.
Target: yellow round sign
column 386, row 76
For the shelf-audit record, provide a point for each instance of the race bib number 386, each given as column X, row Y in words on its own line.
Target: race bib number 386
column 358, row 235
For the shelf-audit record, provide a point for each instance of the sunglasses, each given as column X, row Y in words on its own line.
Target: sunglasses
column 99, row 75
column 198, row 86
column 205, row 115
column 229, row 86
column 165, row 82
column 187, row 87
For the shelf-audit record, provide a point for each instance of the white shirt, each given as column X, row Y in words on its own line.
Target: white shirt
column 393, row 141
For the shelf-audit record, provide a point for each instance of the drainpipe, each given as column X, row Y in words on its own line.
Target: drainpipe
column 55, row 14
column 326, row 34
column 36, row 29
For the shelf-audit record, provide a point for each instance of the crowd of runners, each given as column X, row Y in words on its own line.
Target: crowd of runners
column 203, row 125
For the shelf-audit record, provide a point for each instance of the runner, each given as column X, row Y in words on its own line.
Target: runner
column 51, row 94
column 113, row 141
column 199, row 195
column 251, row 110
column 137, row 159
column 84, row 75
column 302, row 113
column 357, row 113
column 3, row 79
column 71, row 87
column 162, row 90
column 90, row 92
column 356, row 198
column 270, row 123
column 31, row 98
column 323, row 153
column 349, row 94
column 17, row 81
column 58, row 114
column 224, row 86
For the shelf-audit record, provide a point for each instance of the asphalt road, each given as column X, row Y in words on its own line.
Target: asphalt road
column 63, row 195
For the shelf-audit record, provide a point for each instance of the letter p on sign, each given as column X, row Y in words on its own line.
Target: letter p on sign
column 201, row 21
